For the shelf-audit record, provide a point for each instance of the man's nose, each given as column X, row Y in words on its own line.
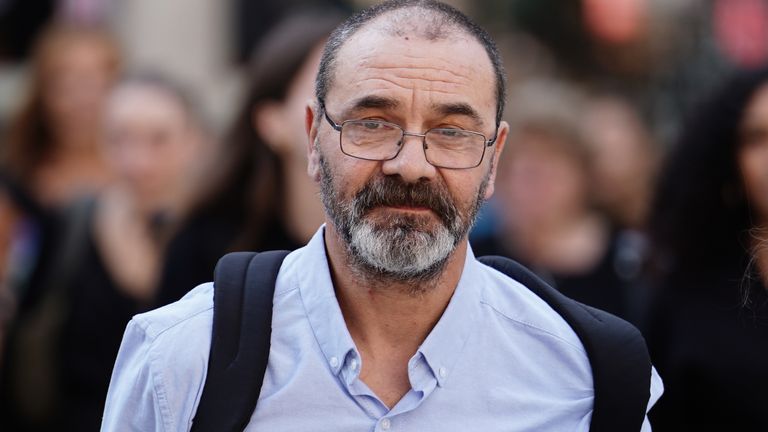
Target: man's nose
column 411, row 162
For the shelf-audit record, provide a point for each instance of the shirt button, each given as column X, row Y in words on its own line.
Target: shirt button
column 334, row 361
column 353, row 364
column 443, row 372
column 386, row 424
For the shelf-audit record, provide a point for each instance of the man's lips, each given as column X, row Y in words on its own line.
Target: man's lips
column 402, row 210
column 408, row 208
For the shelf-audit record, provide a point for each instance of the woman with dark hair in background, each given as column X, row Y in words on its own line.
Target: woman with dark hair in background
column 50, row 153
column 709, row 328
column 52, row 145
column 258, row 195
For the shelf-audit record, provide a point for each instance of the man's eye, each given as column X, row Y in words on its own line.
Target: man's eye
column 450, row 133
column 372, row 125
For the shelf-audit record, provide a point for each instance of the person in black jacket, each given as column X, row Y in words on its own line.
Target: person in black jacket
column 709, row 327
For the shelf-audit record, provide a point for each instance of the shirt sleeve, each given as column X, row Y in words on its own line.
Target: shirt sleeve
column 657, row 389
column 133, row 401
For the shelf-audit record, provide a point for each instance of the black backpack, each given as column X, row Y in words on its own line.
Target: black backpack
column 244, row 284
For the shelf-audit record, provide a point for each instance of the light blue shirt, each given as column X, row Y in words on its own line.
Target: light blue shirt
column 499, row 359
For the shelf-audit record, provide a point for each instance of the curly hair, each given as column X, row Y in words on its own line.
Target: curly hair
column 701, row 217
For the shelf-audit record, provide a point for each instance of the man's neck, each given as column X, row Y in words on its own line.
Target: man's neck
column 304, row 211
column 398, row 312
column 389, row 322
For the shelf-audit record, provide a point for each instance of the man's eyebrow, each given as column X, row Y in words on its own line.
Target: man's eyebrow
column 372, row 102
column 458, row 108
column 387, row 103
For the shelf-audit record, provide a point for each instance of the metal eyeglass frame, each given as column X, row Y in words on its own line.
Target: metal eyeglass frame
column 338, row 126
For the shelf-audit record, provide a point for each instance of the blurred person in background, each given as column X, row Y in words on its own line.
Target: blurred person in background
column 545, row 203
column 257, row 195
column 625, row 166
column 625, row 158
column 110, row 256
column 50, row 154
column 52, row 143
column 709, row 328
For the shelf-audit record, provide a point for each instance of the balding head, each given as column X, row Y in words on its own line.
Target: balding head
column 423, row 19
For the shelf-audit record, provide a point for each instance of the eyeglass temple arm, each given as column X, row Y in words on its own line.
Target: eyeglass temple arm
column 492, row 141
column 333, row 124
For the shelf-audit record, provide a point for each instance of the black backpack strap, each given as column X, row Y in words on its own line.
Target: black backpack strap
column 244, row 286
column 621, row 365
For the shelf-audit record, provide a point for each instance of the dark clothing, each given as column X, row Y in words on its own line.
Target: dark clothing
column 616, row 284
column 83, row 314
column 192, row 254
column 90, row 339
column 83, row 337
column 100, row 311
column 22, row 286
column 38, row 230
column 711, row 349
column 194, row 251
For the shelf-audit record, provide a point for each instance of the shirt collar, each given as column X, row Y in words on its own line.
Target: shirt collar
column 444, row 343
column 441, row 347
column 321, row 305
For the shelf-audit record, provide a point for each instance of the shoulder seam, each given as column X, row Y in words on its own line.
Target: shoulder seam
column 151, row 335
column 581, row 348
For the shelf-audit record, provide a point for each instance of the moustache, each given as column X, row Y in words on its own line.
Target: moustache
column 391, row 192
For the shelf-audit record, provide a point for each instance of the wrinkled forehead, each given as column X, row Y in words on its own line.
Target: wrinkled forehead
column 419, row 47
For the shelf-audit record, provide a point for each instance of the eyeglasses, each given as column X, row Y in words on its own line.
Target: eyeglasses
column 377, row 140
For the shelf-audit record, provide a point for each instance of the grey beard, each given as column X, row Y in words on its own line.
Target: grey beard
column 400, row 253
column 403, row 250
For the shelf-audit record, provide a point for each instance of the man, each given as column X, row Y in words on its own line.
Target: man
column 385, row 320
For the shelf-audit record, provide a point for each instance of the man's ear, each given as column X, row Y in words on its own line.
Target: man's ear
column 311, row 126
column 498, row 147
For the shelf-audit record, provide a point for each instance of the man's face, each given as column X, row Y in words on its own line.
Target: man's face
column 403, row 217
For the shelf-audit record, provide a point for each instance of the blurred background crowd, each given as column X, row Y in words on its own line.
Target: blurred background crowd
column 141, row 140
